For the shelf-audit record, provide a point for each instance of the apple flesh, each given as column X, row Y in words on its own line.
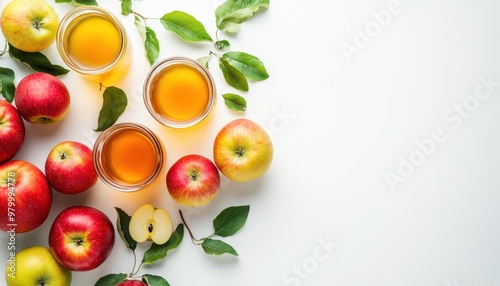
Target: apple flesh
column 12, row 131
column 81, row 238
column 25, row 196
column 150, row 223
column 243, row 151
column 69, row 168
column 35, row 266
column 42, row 98
column 29, row 25
column 193, row 180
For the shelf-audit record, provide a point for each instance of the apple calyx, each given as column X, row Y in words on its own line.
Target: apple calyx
column 240, row 152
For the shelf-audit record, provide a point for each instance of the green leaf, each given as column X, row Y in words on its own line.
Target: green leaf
column 157, row 252
column 7, row 87
column 230, row 14
column 126, row 7
column 37, row 61
column 232, row 75
column 217, row 247
column 87, row 2
column 122, row 225
column 204, row 61
column 114, row 103
column 250, row 66
column 153, row 280
column 221, row 44
column 79, row 2
column 111, row 280
column 151, row 43
column 230, row 220
column 185, row 26
column 235, row 102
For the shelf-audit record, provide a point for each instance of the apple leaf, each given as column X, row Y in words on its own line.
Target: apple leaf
column 37, row 61
column 126, row 7
column 217, row 247
column 153, row 280
column 250, row 66
column 80, row 2
column 221, row 44
column 114, row 103
column 7, row 87
column 204, row 61
column 122, row 225
column 151, row 43
column 185, row 26
column 230, row 14
column 230, row 220
column 157, row 252
column 111, row 279
column 232, row 75
column 235, row 102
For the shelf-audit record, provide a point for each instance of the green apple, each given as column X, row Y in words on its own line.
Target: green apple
column 35, row 266
column 29, row 25
column 243, row 151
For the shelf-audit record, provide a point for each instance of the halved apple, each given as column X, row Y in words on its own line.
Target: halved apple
column 150, row 223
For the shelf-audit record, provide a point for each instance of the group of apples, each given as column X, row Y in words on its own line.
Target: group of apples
column 81, row 237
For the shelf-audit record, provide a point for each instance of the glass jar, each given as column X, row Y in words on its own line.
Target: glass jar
column 128, row 156
column 179, row 92
column 93, row 42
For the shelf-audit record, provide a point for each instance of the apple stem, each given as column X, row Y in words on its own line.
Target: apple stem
column 193, row 239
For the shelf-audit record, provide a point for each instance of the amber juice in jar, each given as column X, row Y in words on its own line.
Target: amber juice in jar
column 179, row 92
column 128, row 156
column 93, row 42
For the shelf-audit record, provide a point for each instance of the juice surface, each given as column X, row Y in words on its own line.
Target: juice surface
column 180, row 92
column 94, row 42
column 129, row 156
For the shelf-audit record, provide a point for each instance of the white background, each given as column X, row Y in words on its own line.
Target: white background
column 340, row 123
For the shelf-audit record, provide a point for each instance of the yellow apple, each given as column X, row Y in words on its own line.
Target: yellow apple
column 29, row 25
column 150, row 223
column 35, row 265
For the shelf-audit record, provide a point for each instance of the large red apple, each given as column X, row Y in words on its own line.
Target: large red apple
column 25, row 196
column 243, row 150
column 69, row 168
column 132, row 283
column 42, row 98
column 81, row 238
column 193, row 180
column 12, row 131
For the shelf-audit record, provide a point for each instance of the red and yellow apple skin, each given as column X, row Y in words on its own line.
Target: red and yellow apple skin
column 132, row 283
column 81, row 238
column 243, row 151
column 42, row 98
column 69, row 168
column 193, row 180
column 25, row 196
column 12, row 131
column 29, row 25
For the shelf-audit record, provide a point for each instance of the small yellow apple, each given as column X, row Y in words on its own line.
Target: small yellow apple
column 150, row 223
column 29, row 25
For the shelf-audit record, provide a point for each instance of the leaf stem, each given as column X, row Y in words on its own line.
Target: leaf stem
column 193, row 239
column 5, row 49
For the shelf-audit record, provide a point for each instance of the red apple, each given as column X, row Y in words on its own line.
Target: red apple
column 132, row 283
column 243, row 150
column 193, row 180
column 12, row 131
column 42, row 98
column 25, row 196
column 69, row 168
column 81, row 238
